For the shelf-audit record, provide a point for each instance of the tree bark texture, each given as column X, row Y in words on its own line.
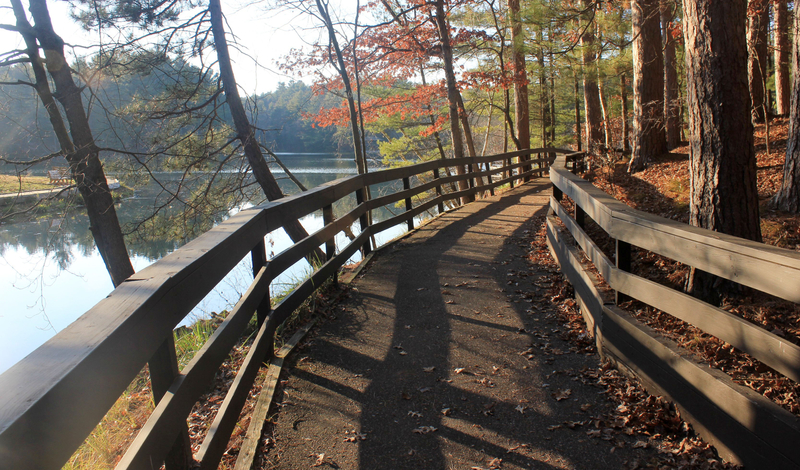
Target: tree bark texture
column 757, row 27
column 626, row 128
column 783, row 93
column 521, row 107
column 788, row 197
column 82, row 153
column 723, row 194
column 591, row 92
column 244, row 130
column 578, row 139
column 649, row 138
column 672, row 104
column 452, row 95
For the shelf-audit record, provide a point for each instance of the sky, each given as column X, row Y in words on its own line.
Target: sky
column 266, row 35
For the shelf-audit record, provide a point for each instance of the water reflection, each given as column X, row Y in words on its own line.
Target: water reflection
column 50, row 272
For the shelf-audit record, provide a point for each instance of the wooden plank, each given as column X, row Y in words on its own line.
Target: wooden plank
column 593, row 252
column 762, row 269
column 56, row 395
column 247, row 451
column 742, row 424
column 582, row 281
column 161, row 429
column 767, row 347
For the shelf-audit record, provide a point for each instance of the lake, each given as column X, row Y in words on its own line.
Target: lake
column 50, row 272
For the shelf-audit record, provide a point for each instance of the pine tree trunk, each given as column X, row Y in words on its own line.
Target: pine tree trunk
column 452, row 95
column 723, row 195
column 788, row 197
column 578, row 139
column 82, row 153
column 544, row 102
column 672, row 104
column 626, row 128
column 591, row 93
column 521, row 108
column 783, row 94
column 245, row 131
column 649, row 138
column 757, row 26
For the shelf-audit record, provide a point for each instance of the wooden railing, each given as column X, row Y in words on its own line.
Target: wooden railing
column 744, row 425
column 52, row 399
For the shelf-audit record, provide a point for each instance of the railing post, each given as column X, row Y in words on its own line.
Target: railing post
column 557, row 194
column 163, row 368
column 438, row 190
column 623, row 260
column 580, row 216
column 510, row 174
column 489, row 177
column 330, row 245
column 258, row 255
column 407, row 186
column 366, row 248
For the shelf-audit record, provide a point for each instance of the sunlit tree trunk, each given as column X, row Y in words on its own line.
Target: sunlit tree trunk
column 244, row 130
column 79, row 146
column 788, row 197
column 591, row 92
column 452, row 95
column 672, row 105
column 757, row 27
column 521, row 109
column 723, row 194
column 783, row 96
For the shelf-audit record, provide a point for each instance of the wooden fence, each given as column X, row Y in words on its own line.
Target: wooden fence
column 745, row 426
column 53, row 399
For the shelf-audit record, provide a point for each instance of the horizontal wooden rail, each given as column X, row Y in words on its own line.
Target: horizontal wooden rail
column 55, row 396
column 745, row 426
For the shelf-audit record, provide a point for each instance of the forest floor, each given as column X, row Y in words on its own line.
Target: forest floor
column 663, row 189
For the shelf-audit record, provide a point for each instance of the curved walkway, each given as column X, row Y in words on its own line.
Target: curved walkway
column 446, row 355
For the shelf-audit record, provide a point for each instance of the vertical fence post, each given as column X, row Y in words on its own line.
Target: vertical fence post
column 330, row 245
column 580, row 216
column 407, row 186
column 366, row 248
column 489, row 177
column 510, row 174
column 438, row 190
column 623, row 260
column 258, row 255
column 163, row 368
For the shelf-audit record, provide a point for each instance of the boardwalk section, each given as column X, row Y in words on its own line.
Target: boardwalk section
column 447, row 355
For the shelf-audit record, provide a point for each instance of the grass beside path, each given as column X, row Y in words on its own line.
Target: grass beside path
column 12, row 184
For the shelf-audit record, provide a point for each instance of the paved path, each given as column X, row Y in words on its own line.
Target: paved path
column 438, row 360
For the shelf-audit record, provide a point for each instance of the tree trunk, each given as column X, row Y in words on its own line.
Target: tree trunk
column 672, row 105
column 626, row 129
column 783, row 94
column 578, row 139
column 649, row 138
column 591, row 93
column 723, row 194
column 788, row 197
column 82, row 153
column 521, row 108
column 452, row 95
column 544, row 102
column 757, row 27
column 244, row 130
column 606, row 118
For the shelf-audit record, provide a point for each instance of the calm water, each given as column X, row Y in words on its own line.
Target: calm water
column 50, row 272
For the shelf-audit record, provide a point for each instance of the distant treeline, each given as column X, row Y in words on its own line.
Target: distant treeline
column 118, row 114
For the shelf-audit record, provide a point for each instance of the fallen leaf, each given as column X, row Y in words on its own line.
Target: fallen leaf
column 495, row 463
column 446, row 292
column 405, row 396
column 356, row 436
column 458, row 370
column 586, row 406
column 553, row 427
column 450, row 301
column 521, row 409
column 415, row 414
column 424, row 389
column 425, row 429
column 446, row 411
column 403, row 353
column 561, row 394
column 429, row 369
column 320, row 459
